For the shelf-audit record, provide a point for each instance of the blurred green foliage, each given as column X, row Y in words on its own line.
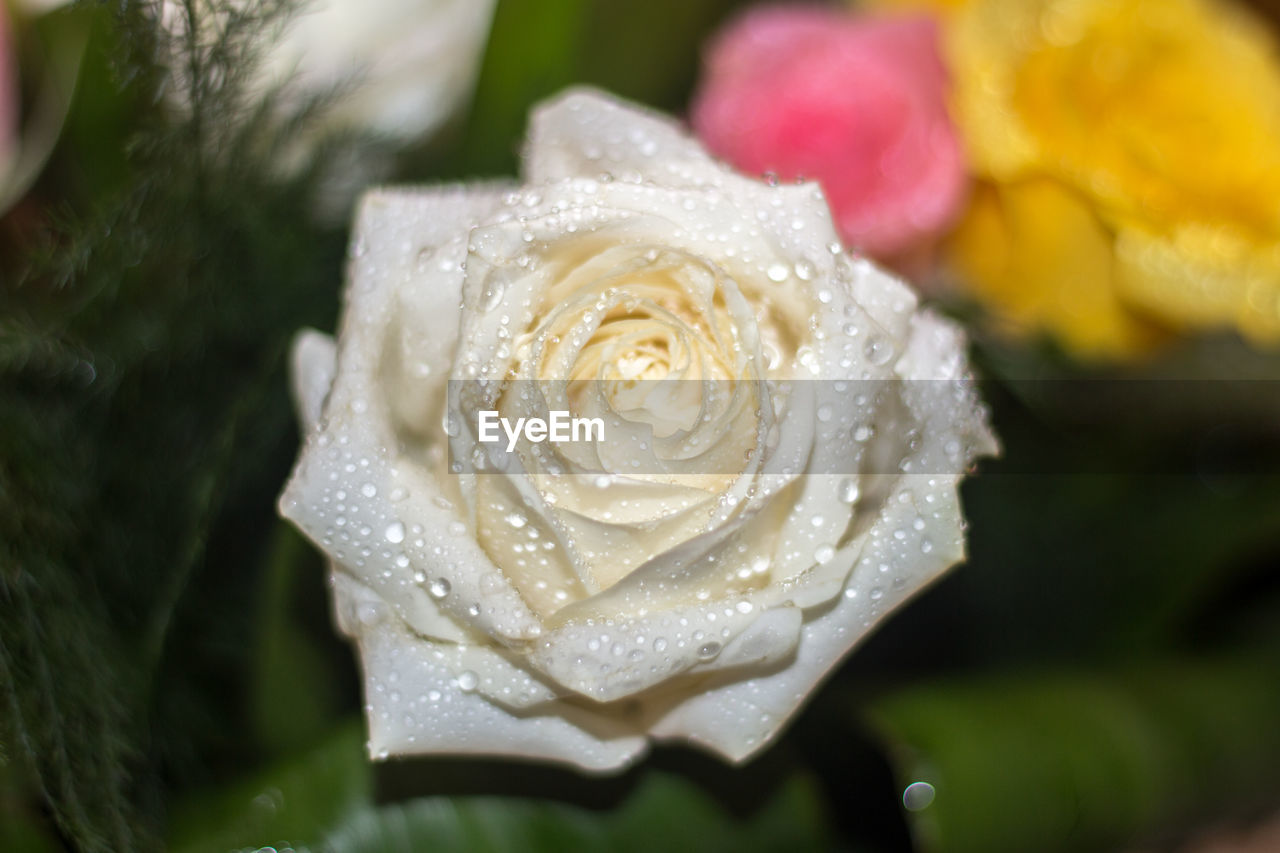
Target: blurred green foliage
column 141, row 405
column 645, row 51
column 1084, row 760
column 169, row 677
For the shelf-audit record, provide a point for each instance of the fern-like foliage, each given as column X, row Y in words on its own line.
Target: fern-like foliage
column 142, row 412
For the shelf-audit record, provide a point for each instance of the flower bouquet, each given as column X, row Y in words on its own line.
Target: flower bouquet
column 429, row 424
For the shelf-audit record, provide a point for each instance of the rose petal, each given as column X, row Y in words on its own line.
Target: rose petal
column 586, row 133
column 778, row 96
column 385, row 511
column 611, row 659
column 583, row 133
column 422, row 699
column 404, row 259
column 736, row 717
column 313, row 363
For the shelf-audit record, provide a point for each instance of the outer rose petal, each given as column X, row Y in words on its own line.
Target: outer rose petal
column 403, row 260
column 858, row 104
column 916, row 537
column 419, row 703
column 397, row 254
column 580, row 134
column 735, row 716
column 314, row 363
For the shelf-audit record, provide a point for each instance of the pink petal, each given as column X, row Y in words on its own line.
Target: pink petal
column 857, row 103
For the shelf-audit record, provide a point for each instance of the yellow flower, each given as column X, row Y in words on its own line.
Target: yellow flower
column 1129, row 152
column 1036, row 252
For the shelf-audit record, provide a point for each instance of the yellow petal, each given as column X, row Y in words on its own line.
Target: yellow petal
column 1037, row 254
column 1168, row 109
column 1203, row 277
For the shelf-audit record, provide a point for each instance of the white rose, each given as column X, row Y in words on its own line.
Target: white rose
column 696, row 574
column 416, row 60
column 403, row 67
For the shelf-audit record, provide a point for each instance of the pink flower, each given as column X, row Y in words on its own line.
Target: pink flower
column 857, row 103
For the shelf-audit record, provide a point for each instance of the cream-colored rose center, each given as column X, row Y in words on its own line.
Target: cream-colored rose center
column 666, row 350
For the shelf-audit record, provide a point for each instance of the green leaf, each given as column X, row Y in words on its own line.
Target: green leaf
column 298, row 799
column 1085, row 761
column 646, row 51
column 663, row 813
column 323, row 801
column 651, row 51
column 532, row 52
column 292, row 692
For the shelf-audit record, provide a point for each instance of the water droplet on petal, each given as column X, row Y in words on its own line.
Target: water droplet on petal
column 369, row 614
column 918, row 796
column 849, row 491
column 493, row 294
column 878, row 350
